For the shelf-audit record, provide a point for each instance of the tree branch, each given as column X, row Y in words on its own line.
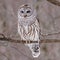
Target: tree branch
column 3, row 38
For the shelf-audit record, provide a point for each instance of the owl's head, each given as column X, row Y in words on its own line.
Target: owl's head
column 26, row 11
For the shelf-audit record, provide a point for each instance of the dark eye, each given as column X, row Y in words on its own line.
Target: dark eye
column 22, row 11
column 28, row 11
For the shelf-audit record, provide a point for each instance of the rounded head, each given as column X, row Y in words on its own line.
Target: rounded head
column 25, row 11
column 26, row 15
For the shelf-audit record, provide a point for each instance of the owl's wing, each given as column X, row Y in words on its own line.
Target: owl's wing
column 39, row 27
column 37, row 18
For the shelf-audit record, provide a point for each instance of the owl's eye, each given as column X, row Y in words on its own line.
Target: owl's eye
column 28, row 11
column 22, row 11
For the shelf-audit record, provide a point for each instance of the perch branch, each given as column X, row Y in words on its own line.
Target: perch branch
column 3, row 38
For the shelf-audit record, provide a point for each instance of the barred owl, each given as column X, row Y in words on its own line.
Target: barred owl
column 28, row 28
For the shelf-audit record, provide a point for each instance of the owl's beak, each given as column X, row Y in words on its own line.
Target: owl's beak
column 25, row 15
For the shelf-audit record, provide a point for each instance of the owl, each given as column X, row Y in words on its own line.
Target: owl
column 28, row 28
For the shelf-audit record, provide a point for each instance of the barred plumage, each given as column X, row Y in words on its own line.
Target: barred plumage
column 28, row 28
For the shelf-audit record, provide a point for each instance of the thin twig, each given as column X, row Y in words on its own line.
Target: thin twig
column 51, row 34
column 55, row 2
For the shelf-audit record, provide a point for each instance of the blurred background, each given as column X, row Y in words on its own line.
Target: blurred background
column 49, row 20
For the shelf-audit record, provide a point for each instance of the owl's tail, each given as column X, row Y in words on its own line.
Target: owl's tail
column 35, row 49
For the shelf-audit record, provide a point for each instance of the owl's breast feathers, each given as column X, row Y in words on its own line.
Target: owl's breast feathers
column 29, row 32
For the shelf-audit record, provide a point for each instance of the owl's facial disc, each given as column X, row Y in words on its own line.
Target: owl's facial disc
column 25, row 11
